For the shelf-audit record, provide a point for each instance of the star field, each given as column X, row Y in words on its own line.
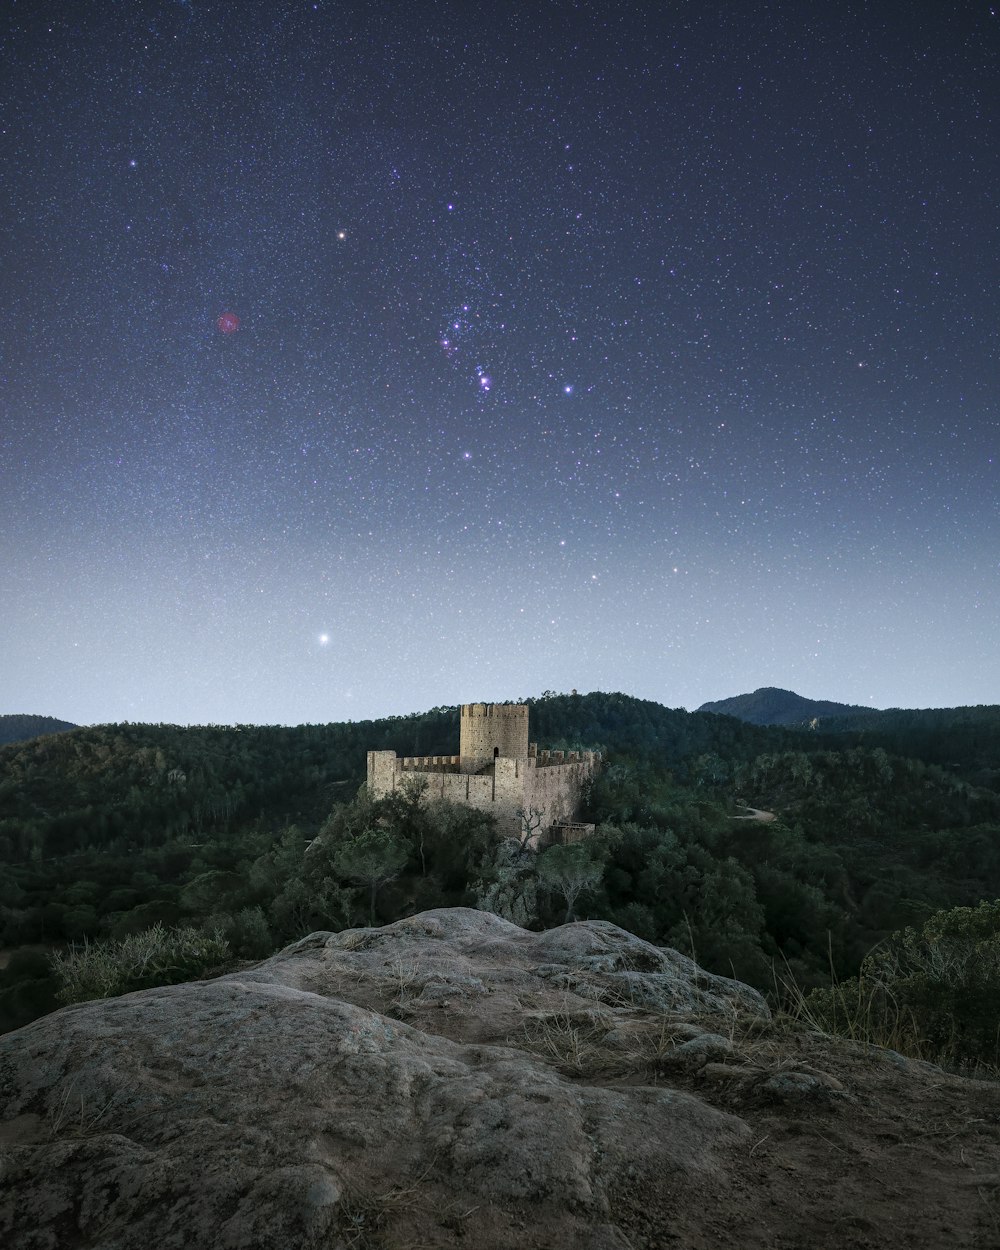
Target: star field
column 358, row 359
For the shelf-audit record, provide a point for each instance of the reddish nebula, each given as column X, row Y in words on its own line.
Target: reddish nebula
column 228, row 323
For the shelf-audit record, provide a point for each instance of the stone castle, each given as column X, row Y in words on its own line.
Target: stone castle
column 498, row 771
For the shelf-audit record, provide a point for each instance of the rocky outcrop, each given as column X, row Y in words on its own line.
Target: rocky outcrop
column 452, row 1080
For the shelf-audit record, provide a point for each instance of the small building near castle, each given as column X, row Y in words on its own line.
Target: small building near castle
column 499, row 771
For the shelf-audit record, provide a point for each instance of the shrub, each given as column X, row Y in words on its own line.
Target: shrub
column 157, row 956
column 932, row 992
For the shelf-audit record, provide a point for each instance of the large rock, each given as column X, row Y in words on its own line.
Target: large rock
column 452, row 1080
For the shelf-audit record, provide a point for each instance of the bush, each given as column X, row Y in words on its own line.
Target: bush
column 157, row 956
column 933, row 992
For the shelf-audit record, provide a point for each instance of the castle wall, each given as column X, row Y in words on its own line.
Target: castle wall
column 514, row 781
column 507, row 786
column 557, row 790
column 500, row 796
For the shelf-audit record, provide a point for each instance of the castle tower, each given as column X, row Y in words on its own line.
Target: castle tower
column 489, row 731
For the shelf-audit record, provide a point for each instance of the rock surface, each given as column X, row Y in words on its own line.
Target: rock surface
column 452, row 1080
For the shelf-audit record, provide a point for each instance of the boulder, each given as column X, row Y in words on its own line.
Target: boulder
column 442, row 1081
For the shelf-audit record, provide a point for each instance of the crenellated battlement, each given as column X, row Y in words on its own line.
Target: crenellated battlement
column 551, row 759
column 534, row 759
column 496, row 711
column 430, row 763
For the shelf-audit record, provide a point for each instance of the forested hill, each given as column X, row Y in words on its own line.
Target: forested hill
column 963, row 740
column 107, row 831
column 141, row 785
column 772, row 706
column 18, row 727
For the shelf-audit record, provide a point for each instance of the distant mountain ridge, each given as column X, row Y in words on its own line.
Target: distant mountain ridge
column 19, row 727
column 772, row 706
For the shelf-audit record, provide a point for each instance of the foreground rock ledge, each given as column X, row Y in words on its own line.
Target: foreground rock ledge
column 453, row 1080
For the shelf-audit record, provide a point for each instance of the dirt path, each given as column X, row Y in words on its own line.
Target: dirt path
column 755, row 813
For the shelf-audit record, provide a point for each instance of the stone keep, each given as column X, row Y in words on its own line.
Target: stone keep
column 491, row 730
column 496, row 770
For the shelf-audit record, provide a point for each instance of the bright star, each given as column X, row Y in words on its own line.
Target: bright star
column 324, row 639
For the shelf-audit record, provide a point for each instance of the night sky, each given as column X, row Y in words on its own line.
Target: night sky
column 361, row 358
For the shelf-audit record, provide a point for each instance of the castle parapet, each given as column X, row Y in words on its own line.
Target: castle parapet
column 555, row 759
column 429, row 763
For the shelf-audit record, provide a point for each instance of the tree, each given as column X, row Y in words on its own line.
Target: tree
column 414, row 819
column 372, row 858
column 569, row 871
column 531, row 821
column 508, row 886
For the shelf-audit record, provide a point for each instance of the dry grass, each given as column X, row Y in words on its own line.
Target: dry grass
column 573, row 1042
column 617, row 1043
column 862, row 1011
column 866, row 1011
column 74, row 1118
column 364, row 1219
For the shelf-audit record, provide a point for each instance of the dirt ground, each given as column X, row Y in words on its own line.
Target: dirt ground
column 903, row 1156
column 756, row 813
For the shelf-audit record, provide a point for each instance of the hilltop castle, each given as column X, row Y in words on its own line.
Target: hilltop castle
column 499, row 771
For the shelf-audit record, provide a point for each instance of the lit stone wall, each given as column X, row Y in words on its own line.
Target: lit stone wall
column 506, row 787
column 557, row 789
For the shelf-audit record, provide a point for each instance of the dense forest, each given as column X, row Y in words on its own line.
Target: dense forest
column 251, row 836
